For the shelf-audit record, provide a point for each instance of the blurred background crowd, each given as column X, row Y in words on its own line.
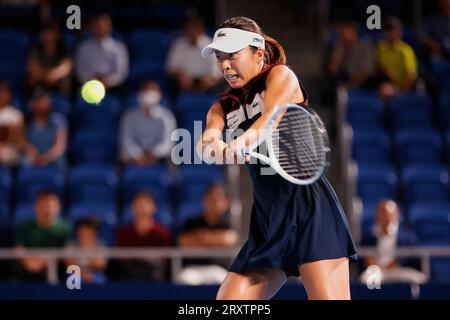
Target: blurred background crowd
column 74, row 175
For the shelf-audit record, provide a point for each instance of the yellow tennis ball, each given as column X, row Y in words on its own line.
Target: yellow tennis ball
column 93, row 91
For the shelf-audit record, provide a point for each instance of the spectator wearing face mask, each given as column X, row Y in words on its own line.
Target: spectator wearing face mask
column 145, row 131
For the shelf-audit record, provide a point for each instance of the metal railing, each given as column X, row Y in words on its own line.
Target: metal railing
column 176, row 255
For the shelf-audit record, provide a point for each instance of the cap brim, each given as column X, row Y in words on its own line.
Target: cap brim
column 223, row 46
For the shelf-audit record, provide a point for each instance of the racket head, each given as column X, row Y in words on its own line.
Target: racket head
column 298, row 144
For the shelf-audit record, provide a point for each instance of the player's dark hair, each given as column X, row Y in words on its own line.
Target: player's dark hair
column 274, row 52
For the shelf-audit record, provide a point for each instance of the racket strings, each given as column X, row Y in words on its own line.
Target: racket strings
column 298, row 144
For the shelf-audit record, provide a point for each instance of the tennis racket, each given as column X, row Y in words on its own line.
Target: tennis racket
column 297, row 144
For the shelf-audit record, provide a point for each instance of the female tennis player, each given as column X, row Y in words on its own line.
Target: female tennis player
column 295, row 230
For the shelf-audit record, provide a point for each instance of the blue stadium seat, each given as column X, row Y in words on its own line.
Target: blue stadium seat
column 368, row 216
column 425, row 184
column 106, row 213
column 23, row 213
column 13, row 56
column 418, row 146
column 364, row 109
column 105, row 115
column 149, row 44
column 371, row 146
column 435, row 291
column 441, row 68
column 5, row 193
column 148, row 50
column 92, row 183
column 154, row 179
column 410, row 110
column 163, row 215
column 61, row 104
column 431, row 223
column 194, row 179
column 194, row 102
column 94, row 147
column 376, row 182
column 440, row 269
column 32, row 180
column 69, row 39
column 190, row 111
column 186, row 211
column 141, row 71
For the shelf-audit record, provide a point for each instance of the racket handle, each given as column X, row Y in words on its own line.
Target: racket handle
column 244, row 152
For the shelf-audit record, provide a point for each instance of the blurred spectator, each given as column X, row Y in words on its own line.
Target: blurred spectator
column 185, row 64
column 352, row 59
column 46, row 134
column 143, row 231
column 47, row 230
column 396, row 60
column 102, row 57
column 437, row 31
column 145, row 131
column 87, row 233
column 49, row 63
column 11, row 128
column 387, row 234
column 211, row 229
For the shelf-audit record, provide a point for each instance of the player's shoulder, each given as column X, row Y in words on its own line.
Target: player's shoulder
column 280, row 70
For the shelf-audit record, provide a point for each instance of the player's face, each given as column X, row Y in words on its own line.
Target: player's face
column 240, row 67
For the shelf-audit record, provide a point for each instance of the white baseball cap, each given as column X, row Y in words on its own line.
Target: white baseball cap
column 231, row 40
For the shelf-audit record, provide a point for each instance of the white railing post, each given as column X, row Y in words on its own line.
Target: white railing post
column 52, row 270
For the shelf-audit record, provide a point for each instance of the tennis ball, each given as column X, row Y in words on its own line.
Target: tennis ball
column 93, row 91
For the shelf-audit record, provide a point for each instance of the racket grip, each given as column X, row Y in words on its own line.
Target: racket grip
column 244, row 152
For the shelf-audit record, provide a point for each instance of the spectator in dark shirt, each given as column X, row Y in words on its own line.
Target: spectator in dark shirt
column 437, row 31
column 49, row 63
column 211, row 229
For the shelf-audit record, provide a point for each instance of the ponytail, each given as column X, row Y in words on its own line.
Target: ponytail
column 274, row 52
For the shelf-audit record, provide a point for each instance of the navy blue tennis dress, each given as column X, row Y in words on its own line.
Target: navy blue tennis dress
column 290, row 224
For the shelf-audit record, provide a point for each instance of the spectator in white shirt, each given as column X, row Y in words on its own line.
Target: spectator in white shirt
column 11, row 129
column 102, row 57
column 145, row 131
column 185, row 64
